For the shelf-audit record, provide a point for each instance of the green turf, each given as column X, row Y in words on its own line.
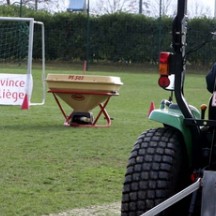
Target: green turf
column 46, row 167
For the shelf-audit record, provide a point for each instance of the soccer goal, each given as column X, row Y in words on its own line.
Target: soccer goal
column 19, row 83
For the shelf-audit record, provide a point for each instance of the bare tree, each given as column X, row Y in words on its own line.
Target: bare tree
column 197, row 9
column 149, row 7
column 49, row 5
column 142, row 7
column 8, row 2
column 111, row 6
column 162, row 7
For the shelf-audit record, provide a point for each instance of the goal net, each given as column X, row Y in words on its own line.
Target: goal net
column 19, row 84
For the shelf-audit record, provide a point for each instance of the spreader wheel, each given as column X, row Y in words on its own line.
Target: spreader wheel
column 157, row 169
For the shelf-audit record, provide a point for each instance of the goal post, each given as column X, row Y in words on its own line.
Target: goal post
column 16, row 55
column 43, row 74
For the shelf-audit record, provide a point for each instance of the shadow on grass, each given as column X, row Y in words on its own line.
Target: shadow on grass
column 35, row 127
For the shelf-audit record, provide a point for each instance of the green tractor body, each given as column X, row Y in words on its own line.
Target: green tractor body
column 172, row 116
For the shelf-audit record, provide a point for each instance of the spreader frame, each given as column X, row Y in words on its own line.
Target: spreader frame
column 102, row 107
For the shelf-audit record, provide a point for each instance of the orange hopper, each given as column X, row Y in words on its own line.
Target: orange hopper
column 83, row 93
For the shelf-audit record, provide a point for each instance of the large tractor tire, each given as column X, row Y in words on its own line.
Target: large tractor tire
column 157, row 169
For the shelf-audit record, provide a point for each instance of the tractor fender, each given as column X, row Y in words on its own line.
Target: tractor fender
column 173, row 117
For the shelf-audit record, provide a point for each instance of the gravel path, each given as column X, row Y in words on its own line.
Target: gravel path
column 102, row 210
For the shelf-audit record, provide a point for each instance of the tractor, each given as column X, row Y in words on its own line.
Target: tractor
column 179, row 157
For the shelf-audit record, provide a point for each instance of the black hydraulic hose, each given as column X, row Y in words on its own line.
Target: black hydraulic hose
column 193, row 203
column 212, row 149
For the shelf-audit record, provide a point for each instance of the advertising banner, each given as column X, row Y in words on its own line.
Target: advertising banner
column 14, row 87
column 77, row 5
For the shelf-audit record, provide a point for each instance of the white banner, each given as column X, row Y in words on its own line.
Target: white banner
column 14, row 87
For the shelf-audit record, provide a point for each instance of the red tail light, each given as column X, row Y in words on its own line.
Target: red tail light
column 164, row 81
column 164, row 63
column 164, row 69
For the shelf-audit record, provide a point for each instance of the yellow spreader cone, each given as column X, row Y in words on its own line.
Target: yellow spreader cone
column 83, row 93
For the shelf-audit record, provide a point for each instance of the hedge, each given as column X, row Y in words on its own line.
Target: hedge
column 119, row 37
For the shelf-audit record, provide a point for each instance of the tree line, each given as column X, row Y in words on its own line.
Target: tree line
column 118, row 37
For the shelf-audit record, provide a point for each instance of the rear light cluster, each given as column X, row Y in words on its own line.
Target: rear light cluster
column 164, row 69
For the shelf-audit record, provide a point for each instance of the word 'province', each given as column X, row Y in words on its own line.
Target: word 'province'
column 12, row 83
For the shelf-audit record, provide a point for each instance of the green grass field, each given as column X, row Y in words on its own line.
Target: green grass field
column 48, row 168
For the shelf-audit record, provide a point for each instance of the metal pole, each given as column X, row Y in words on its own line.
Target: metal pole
column 20, row 8
column 88, row 36
column 140, row 7
column 160, row 8
column 36, row 5
column 159, row 26
column 215, row 10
